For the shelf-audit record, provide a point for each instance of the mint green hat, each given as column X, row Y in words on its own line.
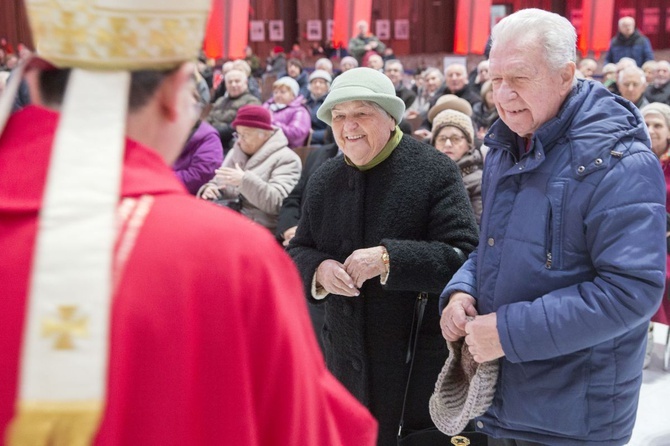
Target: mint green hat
column 362, row 84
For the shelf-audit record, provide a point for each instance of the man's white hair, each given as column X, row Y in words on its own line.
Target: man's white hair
column 533, row 27
column 632, row 70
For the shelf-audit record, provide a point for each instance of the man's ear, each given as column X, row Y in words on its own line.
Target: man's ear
column 568, row 74
column 171, row 91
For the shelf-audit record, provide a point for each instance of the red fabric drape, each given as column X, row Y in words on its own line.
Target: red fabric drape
column 227, row 29
column 596, row 26
column 473, row 22
column 346, row 13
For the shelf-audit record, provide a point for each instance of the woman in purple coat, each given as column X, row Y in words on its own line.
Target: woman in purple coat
column 202, row 155
column 288, row 112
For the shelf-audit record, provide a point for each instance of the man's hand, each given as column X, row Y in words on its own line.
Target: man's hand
column 211, row 192
column 288, row 235
column 332, row 277
column 364, row 264
column 482, row 338
column 455, row 315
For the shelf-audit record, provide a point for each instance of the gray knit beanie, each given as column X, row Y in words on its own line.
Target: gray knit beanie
column 464, row 389
column 362, row 84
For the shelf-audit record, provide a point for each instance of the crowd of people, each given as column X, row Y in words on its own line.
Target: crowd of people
column 513, row 216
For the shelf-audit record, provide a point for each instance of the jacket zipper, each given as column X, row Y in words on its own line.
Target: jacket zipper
column 548, row 239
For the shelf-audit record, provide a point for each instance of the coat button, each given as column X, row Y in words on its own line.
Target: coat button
column 480, row 424
column 598, row 162
column 581, row 169
column 521, row 167
column 356, row 365
column 538, row 155
column 491, row 241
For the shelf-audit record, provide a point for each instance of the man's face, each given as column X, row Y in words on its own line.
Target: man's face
column 375, row 62
column 236, row 83
column 663, row 73
column 526, row 91
column 393, row 72
column 456, row 77
column 432, row 81
column 360, row 130
column 626, row 27
column 631, row 85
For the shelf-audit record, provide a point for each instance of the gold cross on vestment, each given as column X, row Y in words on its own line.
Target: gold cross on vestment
column 66, row 327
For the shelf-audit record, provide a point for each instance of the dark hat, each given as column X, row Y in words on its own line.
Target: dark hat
column 255, row 116
column 449, row 102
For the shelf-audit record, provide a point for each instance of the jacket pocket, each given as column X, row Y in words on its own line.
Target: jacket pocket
column 554, row 225
column 547, row 396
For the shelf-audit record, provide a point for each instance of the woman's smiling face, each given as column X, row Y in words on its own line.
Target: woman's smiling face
column 361, row 130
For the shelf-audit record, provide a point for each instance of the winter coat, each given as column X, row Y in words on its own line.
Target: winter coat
column 636, row 46
column 471, row 165
column 658, row 94
column 269, row 175
column 357, row 46
column 571, row 258
column 318, row 126
column 415, row 205
column 293, row 119
column 201, row 156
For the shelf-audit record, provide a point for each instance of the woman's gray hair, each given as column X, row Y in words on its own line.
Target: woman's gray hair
column 538, row 27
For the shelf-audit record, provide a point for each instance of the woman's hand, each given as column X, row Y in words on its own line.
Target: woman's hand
column 331, row 276
column 364, row 264
column 211, row 192
column 228, row 176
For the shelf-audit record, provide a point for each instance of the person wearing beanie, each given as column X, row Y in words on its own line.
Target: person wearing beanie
column 128, row 314
column 319, row 83
column 259, row 171
column 454, row 136
column 288, row 111
column 484, row 113
column 444, row 102
column 384, row 222
column 657, row 118
column 571, row 260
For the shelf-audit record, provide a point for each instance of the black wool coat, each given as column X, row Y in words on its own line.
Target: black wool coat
column 414, row 204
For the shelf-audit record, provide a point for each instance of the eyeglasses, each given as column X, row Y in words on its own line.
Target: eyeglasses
column 455, row 139
column 244, row 136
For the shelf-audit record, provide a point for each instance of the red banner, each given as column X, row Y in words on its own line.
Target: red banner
column 227, row 29
column 346, row 13
column 473, row 26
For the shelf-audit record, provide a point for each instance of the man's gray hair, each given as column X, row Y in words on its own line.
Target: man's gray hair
column 538, row 27
column 392, row 62
column 435, row 70
column 632, row 70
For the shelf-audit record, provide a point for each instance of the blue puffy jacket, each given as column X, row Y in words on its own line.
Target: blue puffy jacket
column 571, row 258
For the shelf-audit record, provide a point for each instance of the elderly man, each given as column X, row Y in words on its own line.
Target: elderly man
column 457, row 83
column 375, row 62
column 128, row 313
column 393, row 70
column 571, row 258
column 659, row 90
column 388, row 220
column 364, row 42
column 225, row 108
column 588, row 67
column 631, row 84
column 628, row 42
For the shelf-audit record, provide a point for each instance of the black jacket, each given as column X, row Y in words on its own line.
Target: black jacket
column 414, row 203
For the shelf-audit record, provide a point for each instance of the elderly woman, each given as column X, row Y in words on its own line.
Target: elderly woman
column 260, row 169
column 288, row 111
column 319, row 83
column 454, row 136
column 388, row 220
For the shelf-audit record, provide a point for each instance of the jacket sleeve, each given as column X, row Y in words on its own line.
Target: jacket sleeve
column 451, row 235
column 648, row 54
column 624, row 224
column 464, row 280
column 205, row 160
column 268, row 195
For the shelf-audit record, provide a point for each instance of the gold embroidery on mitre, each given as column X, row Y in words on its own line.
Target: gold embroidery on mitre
column 94, row 35
column 66, row 327
column 48, row 423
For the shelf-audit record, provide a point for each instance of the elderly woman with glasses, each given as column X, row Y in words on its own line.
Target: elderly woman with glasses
column 385, row 222
column 453, row 135
column 259, row 171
